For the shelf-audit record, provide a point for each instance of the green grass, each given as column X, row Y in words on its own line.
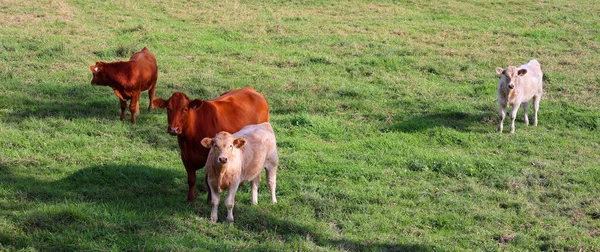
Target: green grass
column 385, row 115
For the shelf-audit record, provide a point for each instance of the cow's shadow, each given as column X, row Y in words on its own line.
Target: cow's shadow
column 137, row 185
column 87, row 105
column 457, row 120
column 154, row 195
column 69, row 102
column 99, row 198
column 292, row 228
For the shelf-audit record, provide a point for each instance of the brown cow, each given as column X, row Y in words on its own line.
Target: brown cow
column 129, row 79
column 193, row 120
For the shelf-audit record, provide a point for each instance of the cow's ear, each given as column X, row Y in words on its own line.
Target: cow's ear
column 499, row 70
column 196, row 103
column 522, row 72
column 207, row 142
column 97, row 67
column 159, row 103
column 239, row 142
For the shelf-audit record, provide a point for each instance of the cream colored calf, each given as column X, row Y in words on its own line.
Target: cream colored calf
column 517, row 87
column 240, row 157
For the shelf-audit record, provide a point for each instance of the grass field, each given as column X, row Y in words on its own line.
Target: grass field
column 385, row 115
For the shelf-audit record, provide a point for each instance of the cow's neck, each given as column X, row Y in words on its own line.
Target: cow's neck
column 114, row 67
column 202, row 124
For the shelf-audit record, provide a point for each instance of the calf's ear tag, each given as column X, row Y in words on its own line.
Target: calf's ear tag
column 95, row 69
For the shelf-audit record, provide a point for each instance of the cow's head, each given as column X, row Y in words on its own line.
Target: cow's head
column 98, row 73
column 178, row 109
column 223, row 146
column 510, row 74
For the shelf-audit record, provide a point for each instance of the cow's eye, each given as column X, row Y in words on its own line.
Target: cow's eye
column 231, row 146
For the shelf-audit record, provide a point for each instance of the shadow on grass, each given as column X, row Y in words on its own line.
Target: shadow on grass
column 133, row 202
column 69, row 102
column 460, row 121
column 112, row 183
column 251, row 219
column 129, row 201
column 93, row 105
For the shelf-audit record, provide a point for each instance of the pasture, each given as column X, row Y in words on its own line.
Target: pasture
column 385, row 115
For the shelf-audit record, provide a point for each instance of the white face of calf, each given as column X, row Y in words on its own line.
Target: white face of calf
column 510, row 75
column 223, row 146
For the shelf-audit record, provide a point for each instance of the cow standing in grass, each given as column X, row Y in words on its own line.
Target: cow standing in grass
column 128, row 79
column 517, row 86
column 237, row 158
column 193, row 120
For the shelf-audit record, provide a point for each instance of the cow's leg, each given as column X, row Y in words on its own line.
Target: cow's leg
column 536, row 107
column 123, row 106
column 230, row 200
column 216, row 197
column 513, row 116
column 209, row 194
column 191, row 173
column 255, row 190
column 123, row 102
column 526, row 111
column 134, row 106
column 502, row 116
column 151, row 93
column 272, row 181
column 137, row 103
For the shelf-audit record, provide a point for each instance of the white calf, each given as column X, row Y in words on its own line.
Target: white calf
column 240, row 157
column 516, row 87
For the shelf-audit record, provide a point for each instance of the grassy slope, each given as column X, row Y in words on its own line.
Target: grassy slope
column 385, row 115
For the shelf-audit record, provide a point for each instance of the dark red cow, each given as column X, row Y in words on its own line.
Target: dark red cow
column 193, row 120
column 129, row 79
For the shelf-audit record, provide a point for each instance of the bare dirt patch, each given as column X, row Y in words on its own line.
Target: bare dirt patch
column 24, row 13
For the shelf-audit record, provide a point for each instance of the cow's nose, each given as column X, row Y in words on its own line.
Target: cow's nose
column 173, row 130
column 222, row 160
column 511, row 86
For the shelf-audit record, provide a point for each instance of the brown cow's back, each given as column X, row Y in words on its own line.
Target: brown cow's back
column 146, row 66
column 224, row 113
